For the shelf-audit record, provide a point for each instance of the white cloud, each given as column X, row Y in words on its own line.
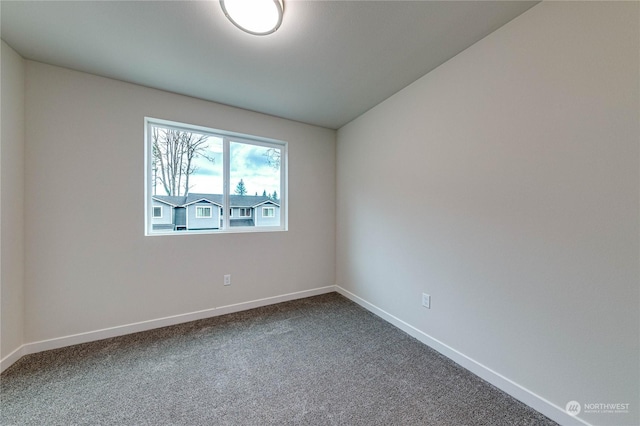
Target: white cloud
column 248, row 162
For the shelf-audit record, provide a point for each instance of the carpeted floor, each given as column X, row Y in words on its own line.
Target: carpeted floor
column 317, row 361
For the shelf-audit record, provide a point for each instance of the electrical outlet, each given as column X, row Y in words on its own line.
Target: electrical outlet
column 227, row 279
column 426, row 300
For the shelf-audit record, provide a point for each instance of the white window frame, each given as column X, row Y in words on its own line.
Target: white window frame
column 202, row 216
column 153, row 212
column 227, row 138
column 265, row 209
column 245, row 210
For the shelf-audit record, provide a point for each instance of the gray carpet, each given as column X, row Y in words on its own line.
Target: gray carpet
column 317, row 361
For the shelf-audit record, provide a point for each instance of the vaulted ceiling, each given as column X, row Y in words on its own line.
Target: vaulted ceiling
column 329, row 62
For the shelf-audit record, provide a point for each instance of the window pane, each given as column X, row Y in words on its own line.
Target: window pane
column 255, row 170
column 255, row 179
column 186, row 166
column 203, row 211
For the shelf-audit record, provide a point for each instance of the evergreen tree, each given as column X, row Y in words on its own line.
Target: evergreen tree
column 240, row 188
column 264, row 193
column 275, row 195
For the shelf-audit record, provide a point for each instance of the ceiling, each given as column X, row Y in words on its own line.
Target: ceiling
column 329, row 62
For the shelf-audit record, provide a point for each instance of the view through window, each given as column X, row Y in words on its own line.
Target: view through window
column 195, row 175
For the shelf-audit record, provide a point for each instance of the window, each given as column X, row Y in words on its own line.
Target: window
column 228, row 170
column 203, row 211
column 268, row 212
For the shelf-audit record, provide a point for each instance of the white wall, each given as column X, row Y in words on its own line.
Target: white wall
column 505, row 184
column 89, row 265
column 12, row 202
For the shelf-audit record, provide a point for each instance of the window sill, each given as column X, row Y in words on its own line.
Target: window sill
column 239, row 230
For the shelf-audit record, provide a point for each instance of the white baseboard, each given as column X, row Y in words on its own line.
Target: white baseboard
column 538, row 403
column 105, row 333
column 10, row 359
column 533, row 400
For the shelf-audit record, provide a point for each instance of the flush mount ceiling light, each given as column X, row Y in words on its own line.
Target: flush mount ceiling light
column 257, row 17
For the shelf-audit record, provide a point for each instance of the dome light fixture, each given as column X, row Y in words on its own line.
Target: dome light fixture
column 257, row 17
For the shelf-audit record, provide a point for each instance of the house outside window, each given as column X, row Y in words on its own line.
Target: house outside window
column 209, row 192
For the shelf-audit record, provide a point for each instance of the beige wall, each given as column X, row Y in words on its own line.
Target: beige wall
column 505, row 184
column 12, row 202
column 89, row 265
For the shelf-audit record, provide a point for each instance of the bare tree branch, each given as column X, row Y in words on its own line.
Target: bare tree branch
column 174, row 152
column 273, row 157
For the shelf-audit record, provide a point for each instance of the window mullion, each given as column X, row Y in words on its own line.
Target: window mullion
column 226, row 171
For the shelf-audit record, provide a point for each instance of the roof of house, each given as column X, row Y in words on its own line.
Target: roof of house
column 234, row 200
column 170, row 199
column 212, row 198
column 250, row 200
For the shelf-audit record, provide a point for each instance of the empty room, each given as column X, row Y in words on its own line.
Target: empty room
column 275, row 212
